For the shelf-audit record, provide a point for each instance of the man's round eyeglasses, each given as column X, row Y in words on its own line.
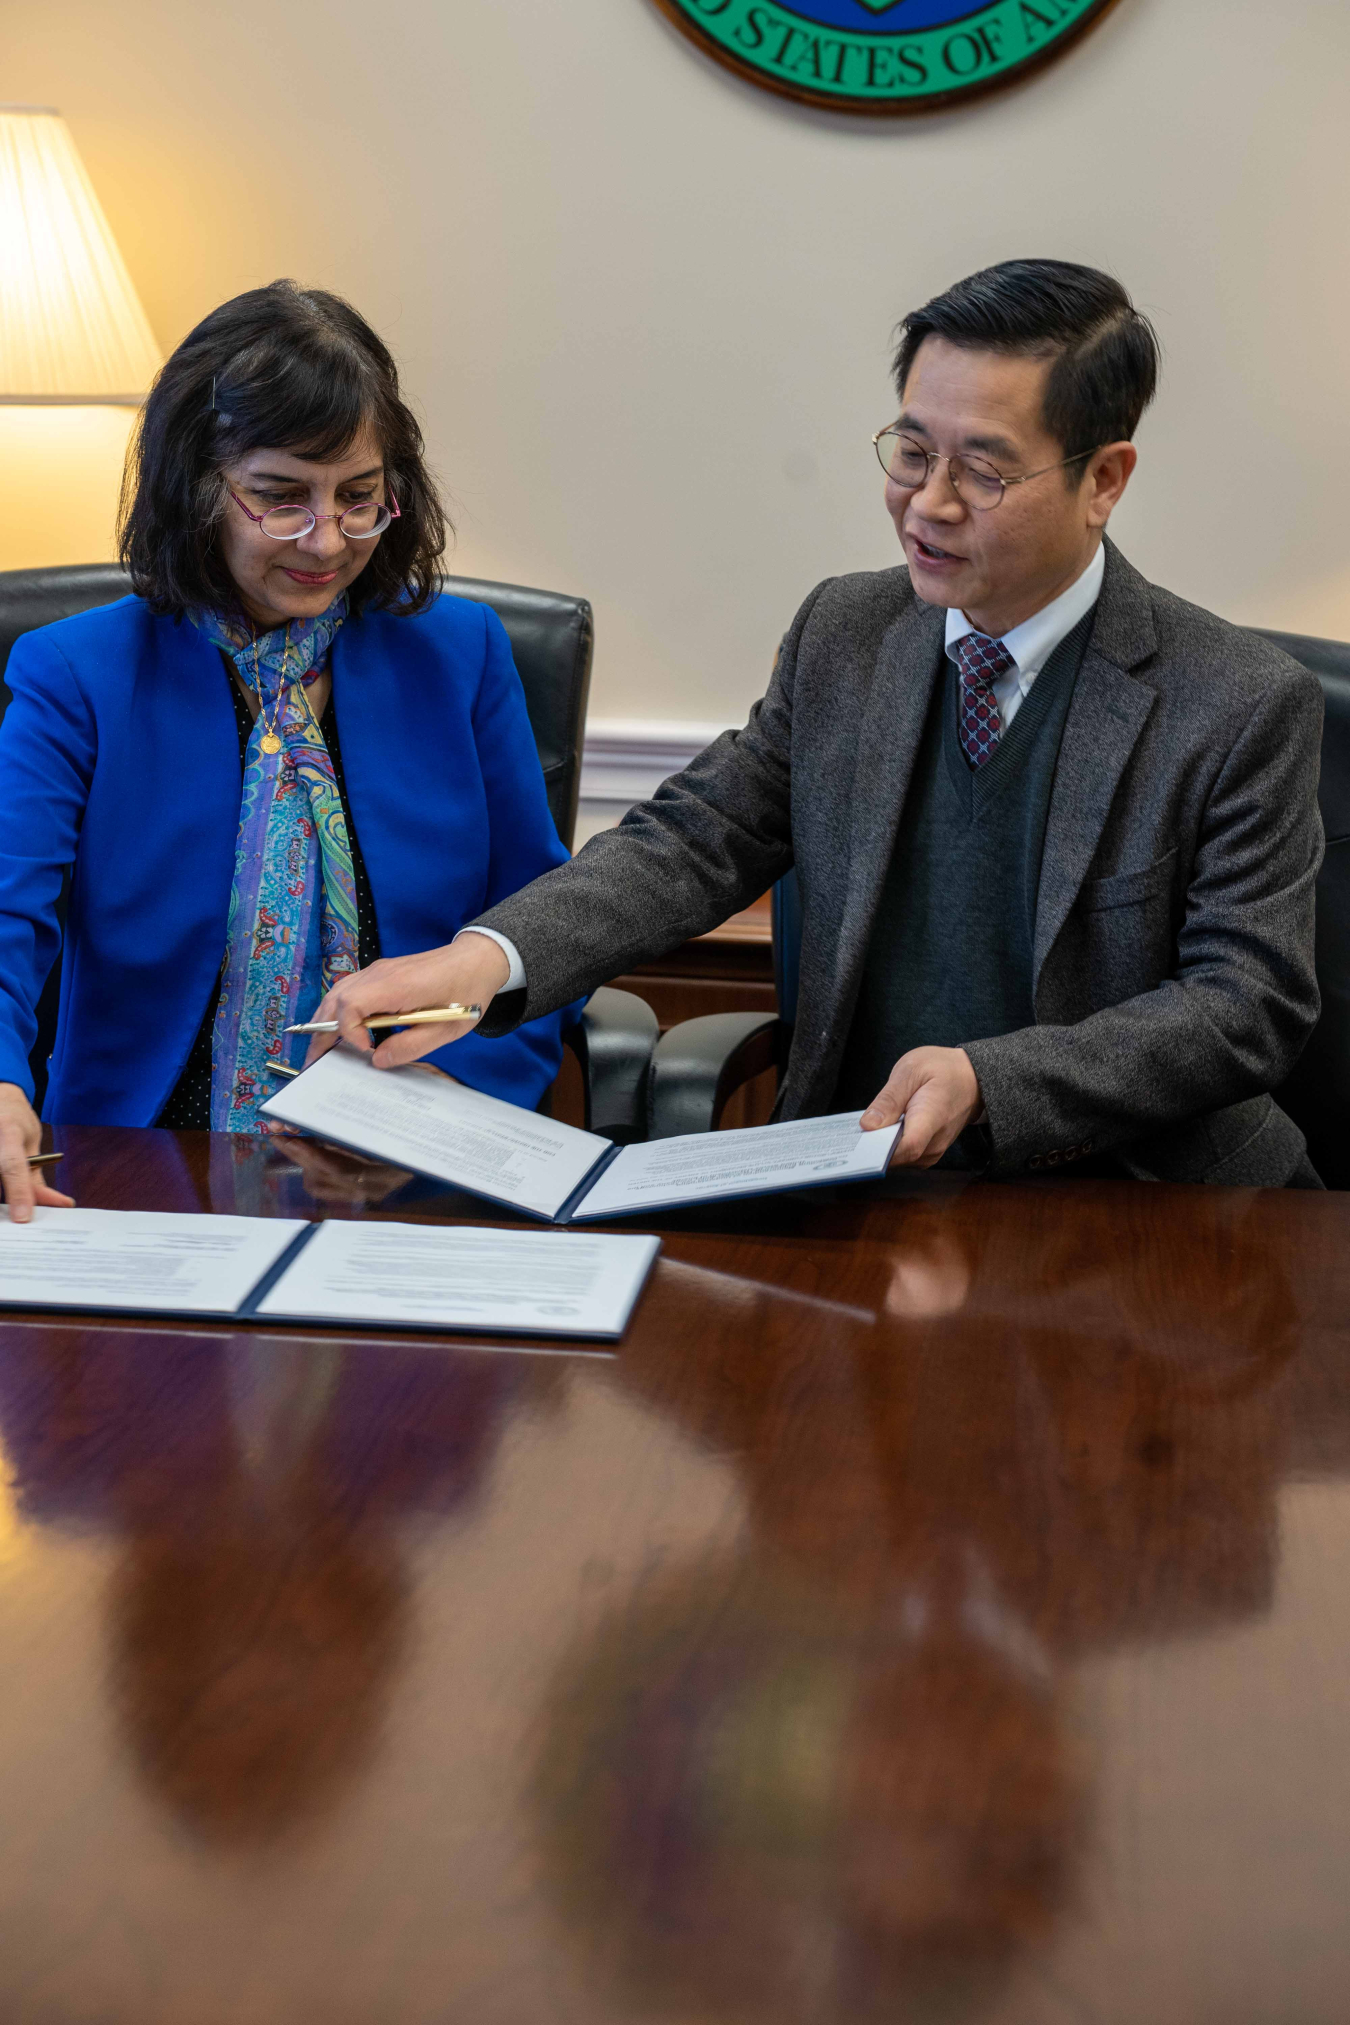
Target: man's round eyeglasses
column 287, row 523
column 976, row 483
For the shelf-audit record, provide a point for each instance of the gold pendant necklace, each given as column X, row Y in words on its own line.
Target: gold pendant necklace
column 270, row 741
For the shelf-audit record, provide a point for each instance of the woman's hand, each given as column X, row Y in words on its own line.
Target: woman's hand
column 469, row 971
column 20, row 1135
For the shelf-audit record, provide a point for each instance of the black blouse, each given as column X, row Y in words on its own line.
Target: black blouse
column 188, row 1108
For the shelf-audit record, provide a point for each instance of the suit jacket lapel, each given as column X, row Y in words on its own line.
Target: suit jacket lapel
column 1108, row 712
column 907, row 669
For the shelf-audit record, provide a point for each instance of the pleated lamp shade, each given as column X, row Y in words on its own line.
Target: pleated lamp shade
column 71, row 327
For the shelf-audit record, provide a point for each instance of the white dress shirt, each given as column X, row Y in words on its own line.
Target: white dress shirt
column 515, row 977
column 1031, row 644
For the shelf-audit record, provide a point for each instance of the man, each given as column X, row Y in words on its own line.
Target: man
column 1056, row 831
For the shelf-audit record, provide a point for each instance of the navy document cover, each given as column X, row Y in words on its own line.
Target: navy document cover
column 372, row 1274
column 538, row 1167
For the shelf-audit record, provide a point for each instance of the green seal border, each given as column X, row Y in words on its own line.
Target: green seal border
column 887, row 75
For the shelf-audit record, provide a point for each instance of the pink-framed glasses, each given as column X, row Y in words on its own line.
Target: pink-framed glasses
column 288, row 523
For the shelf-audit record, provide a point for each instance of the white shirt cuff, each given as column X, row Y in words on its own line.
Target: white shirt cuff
column 516, row 976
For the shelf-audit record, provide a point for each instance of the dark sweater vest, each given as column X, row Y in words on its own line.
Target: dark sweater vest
column 950, row 959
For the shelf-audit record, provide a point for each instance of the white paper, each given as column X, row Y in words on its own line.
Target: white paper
column 138, row 1259
column 756, row 1160
column 546, row 1283
column 440, row 1128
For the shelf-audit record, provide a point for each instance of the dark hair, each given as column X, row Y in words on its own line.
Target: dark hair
column 280, row 368
column 1105, row 357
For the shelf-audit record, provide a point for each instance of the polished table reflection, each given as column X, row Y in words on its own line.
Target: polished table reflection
column 937, row 1608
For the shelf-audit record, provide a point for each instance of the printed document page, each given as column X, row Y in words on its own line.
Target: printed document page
column 754, row 1161
column 440, row 1128
column 546, row 1283
column 138, row 1259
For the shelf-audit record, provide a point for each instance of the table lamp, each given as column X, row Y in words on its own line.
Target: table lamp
column 77, row 354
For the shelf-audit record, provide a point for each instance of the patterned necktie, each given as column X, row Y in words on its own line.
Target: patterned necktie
column 981, row 661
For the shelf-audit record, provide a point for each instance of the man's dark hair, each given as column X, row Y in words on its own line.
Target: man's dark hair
column 280, row 368
column 1104, row 354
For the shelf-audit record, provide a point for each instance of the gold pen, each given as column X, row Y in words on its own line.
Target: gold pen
column 44, row 1159
column 434, row 1016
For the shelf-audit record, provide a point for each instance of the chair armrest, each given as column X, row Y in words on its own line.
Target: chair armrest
column 613, row 1041
column 699, row 1063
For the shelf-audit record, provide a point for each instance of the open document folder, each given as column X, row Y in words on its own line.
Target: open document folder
column 370, row 1275
column 541, row 1168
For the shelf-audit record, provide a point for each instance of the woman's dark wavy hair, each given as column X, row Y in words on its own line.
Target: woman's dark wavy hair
column 280, row 368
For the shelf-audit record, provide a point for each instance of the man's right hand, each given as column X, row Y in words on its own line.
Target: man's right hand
column 20, row 1135
column 468, row 971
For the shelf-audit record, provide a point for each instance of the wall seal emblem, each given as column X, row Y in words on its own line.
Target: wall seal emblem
column 882, row 56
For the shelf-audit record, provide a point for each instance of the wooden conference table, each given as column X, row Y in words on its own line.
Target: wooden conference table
column 937, row 1609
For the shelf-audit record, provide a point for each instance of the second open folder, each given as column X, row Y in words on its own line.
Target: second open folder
column 437, row 1127
column 378, row 1274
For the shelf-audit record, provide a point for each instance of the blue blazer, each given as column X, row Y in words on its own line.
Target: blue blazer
column 119, row 755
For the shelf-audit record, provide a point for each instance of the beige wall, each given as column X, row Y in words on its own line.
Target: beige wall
column 644, row 308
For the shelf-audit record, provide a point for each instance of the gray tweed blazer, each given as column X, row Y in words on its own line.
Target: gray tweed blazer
column 1174, row 983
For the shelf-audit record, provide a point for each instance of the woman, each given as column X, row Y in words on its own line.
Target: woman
column 286, row 635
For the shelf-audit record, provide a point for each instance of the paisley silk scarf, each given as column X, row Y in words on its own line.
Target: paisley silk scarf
column 292, row 922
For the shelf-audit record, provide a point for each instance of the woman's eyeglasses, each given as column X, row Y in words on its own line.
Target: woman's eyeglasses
column 287, row 523
column 977, row 484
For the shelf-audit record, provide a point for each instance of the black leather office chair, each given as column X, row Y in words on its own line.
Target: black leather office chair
column 698, row 1065
column 552, row 640
column 1317, row 1095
